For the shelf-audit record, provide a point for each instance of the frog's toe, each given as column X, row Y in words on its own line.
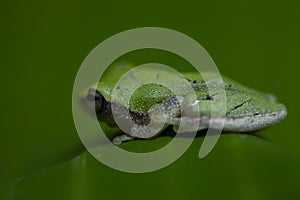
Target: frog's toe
column 122, row 138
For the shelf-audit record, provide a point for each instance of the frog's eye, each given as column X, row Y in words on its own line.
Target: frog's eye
column 95, row 96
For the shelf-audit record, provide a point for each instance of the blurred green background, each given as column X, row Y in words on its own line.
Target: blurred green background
column 43, row 44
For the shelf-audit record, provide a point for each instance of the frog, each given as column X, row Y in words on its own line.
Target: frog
column 247, row 110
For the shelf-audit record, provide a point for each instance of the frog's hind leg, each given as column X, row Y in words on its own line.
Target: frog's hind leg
column 122, row 138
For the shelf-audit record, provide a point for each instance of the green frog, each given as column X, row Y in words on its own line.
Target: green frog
column 247, row 109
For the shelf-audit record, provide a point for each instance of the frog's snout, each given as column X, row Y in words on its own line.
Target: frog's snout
column 95, row 97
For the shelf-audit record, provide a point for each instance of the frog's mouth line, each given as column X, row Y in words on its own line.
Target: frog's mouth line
column 103, row 110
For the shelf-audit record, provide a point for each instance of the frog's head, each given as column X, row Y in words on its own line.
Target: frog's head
column 94, row 97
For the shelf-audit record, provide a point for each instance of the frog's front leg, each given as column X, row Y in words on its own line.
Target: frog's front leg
column 122, row 138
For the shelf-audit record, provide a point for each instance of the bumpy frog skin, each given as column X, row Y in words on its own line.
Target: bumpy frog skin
column 247, row 109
